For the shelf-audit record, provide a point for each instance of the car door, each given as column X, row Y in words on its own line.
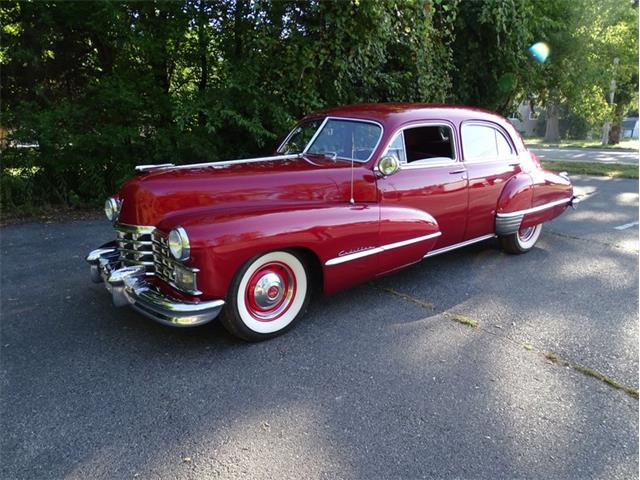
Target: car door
column 431, row 179
column 490, row 160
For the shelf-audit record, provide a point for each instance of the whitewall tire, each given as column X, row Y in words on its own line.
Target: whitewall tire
column 267, row 296
column 521, row 241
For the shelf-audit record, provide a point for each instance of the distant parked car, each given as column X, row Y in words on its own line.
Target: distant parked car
column 630, row 127
column 351, row 194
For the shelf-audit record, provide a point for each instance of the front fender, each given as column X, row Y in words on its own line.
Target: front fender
column 221, row 245
column 351, row 243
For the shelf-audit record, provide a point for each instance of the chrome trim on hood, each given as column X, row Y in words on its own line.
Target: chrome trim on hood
column 222, row 163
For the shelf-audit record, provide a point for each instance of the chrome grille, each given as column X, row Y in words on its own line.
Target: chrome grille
column 146, row 246
column 163, row 263
column 135, row 246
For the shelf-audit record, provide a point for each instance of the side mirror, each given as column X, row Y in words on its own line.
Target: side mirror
column 388, row 165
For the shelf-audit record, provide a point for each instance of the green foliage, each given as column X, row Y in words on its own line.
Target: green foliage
column 102, row 86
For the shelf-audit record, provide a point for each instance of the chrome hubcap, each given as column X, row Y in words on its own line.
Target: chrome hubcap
column 526, row 233
column 268, row 291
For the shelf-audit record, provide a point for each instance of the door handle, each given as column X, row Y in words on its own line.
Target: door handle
column 514, row 164
column 453, row 172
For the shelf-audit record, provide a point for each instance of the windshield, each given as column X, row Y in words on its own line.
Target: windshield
column 338, row 138
column 300, row 137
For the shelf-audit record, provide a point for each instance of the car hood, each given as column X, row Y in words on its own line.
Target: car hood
column 168, row 194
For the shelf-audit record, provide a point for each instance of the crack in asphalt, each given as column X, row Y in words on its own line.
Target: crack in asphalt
column 591, row 240
column 550, row 356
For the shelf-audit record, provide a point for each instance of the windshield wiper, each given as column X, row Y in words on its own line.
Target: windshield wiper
column 332, row 155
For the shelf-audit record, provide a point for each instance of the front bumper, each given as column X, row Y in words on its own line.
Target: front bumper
column 127, row 286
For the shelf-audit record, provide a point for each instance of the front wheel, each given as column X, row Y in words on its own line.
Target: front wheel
column 267, row 296
column 522, row 241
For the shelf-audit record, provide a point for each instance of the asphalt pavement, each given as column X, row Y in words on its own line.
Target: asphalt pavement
column 381, row 381
column 628, row 157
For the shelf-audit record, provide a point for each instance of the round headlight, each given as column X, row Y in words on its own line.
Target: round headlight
column 179, row 243
column 111, row 209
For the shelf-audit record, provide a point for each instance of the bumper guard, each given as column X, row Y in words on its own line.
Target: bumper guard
column 127, row 286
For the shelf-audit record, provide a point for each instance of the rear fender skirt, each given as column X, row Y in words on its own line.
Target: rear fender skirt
column 509, row 223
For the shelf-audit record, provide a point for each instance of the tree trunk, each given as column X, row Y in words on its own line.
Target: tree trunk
column 552, row 132
column 616, row 124
column 614, row 134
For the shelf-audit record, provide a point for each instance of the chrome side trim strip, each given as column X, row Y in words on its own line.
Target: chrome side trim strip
column 403, row 243
column 459, row 245
column 376, row 250
column 534, row 209
column 353, row 256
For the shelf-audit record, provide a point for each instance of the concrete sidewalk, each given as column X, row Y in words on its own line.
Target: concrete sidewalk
column 587, row 155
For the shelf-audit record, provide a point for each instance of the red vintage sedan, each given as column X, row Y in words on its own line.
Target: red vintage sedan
column 353, row 193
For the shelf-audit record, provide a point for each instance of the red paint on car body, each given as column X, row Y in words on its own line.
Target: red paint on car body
column 233, row 212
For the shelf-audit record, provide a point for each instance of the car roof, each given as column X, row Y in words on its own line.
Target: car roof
column 393, row 116
column 399, row 113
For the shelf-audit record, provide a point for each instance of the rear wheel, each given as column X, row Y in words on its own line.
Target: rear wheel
column 267, row 296
column 522, row 241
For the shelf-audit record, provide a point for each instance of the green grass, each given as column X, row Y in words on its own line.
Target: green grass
column 557, row 359
column 615, row 170
column 609, row 381
column 470, row 322
column 540, row 143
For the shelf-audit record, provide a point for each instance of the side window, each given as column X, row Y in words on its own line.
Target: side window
column 481, row 142
column 396, row 149
column 478, row 142
column 504, row 148
column 423, row 145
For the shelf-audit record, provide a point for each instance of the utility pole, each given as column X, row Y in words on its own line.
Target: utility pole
column 612, row 92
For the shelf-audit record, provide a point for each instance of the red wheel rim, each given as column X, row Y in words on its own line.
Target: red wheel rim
column 270, row 291
column 525, row 234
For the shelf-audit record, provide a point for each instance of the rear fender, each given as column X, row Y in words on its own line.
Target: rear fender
column 545, row 197
column 516, row 195
column 552, row 194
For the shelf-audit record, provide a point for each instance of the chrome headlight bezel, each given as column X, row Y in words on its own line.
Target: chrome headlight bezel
column 112, row 209
column 178, row 242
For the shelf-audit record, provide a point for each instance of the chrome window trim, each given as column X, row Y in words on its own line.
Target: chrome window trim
column 348, row 119
column 323, row 123
column 498, row 128
column 539, row 208
column 381, row 249
column 458, row 245
column 511, row 159
column 290, row 134
column 408, row 166
column 433, row 123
